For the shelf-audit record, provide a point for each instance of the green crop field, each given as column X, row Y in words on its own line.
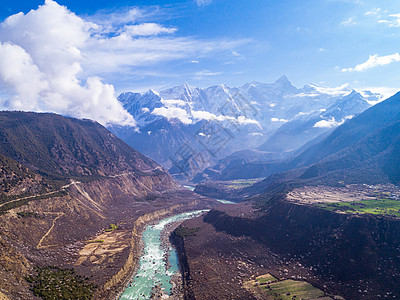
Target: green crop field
column 241, row 183
column 387, row 207
column 267, row 278
column 287, row 289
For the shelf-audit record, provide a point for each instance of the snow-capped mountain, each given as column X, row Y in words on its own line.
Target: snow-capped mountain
column 307, row 126
column 216, row 121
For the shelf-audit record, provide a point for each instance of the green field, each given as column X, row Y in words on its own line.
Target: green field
column 269, row 286
column 287, row 289
column 386, row 207
column 267, row 278
column 241, row 183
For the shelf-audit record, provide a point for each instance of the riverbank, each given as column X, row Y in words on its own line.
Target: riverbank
column 152, row 267
column 109, row 258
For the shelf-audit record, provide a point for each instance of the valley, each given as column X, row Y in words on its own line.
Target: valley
column 199, row 150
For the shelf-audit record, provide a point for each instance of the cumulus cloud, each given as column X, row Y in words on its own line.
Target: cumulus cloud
column 331, row 122
column 51, row 59
column 279, row 120
column 374, row 61
column 40, row 62
column 173, row 113
column 204, row 115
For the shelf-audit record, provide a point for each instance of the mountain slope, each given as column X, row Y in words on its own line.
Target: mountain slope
column 60, row 146
column 63, row 181
column 305, row 127
column 363, row 150
column 376, row 117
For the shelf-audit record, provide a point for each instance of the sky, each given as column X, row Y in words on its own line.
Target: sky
column 71, row 56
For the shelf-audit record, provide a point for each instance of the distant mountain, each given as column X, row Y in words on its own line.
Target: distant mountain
column 368, row 145
column 352, row 131
column 219, row 120
column 305, row 127
column 286, row 142
column 364, row 149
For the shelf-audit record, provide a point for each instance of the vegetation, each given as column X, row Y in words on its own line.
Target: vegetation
column 291, row 289
column 386, row 207
column 112, row 228
column 267, row 278
column 54, row 283
column 95, row 241
column 184, row 231
column 241, row 183
column 268, row 286
column 10, row 205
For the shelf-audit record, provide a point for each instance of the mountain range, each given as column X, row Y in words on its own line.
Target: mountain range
column 363, row 150
column 188, row 129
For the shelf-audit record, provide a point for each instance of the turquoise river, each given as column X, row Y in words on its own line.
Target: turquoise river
column 153, row 270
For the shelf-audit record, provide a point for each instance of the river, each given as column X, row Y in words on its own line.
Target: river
column 153, row 268
column 190, row 187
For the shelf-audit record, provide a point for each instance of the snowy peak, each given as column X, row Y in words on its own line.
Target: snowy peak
column 284, row 84
column 266, row 105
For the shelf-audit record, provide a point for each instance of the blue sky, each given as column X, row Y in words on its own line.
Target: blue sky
column 137, row 45
column 309, row 41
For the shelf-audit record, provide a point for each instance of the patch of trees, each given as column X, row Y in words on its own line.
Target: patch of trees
column 184, row 231
column 54, row 283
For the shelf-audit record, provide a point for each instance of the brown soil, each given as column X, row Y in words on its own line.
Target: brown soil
column 221, row 263
column 59, row 232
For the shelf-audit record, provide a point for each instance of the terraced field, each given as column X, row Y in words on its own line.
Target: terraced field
column 268, row 287
column 386, row 207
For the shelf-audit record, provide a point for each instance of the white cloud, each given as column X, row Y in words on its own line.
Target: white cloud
column 147, row 29
column 235, row 53
column 244, row 120
column 173, row 113
column 40, row 64
column 173, row 102
column 374, row 11
column 339, row 90
column 349, row 21
column 52, row 58
column 256, row 134
column 331, row 122
column 203, row 2
column 393, row 22
column 279, row 120
column 396, row 21
column 374, row 61
column 205, row 115
column 385, row 92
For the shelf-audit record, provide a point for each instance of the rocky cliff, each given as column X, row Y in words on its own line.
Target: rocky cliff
column 357, row 256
